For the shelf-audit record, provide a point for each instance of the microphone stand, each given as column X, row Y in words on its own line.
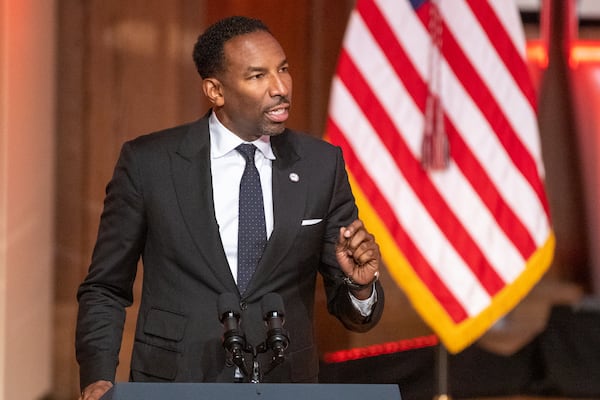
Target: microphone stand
column 235, row 342
column 257, row 375
column 238, row 360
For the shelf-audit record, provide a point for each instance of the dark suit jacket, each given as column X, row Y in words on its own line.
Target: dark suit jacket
column 159, row 205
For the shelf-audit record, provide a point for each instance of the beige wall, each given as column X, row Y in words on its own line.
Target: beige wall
column 26, row 197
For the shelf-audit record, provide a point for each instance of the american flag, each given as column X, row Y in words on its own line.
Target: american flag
column 435, row 111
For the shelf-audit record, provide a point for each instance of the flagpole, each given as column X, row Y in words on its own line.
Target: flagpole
column 442, row 373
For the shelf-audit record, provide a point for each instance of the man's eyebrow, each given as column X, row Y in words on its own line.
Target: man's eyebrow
column 262, row 69
column 256, row 69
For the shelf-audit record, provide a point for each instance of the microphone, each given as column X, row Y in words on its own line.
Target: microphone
column 233, row 338
column 273, row 315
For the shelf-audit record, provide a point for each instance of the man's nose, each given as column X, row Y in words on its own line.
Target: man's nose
column 280, row 86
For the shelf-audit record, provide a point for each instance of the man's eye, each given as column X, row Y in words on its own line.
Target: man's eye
column 257, row 76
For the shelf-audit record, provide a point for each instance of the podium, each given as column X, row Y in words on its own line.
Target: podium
column 259, row 391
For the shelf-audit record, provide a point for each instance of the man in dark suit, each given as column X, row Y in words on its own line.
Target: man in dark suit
column 174, row 200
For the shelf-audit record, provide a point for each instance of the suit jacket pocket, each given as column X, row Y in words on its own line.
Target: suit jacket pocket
column 157, row 350
column 165, row 324
column 153, row 364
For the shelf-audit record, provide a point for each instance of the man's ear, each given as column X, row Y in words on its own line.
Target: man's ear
column 213, row 90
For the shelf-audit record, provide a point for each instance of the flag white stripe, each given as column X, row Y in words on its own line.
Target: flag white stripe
column 510, row 19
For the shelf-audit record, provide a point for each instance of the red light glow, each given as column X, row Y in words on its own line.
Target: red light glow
column 584, row 52
column 381, row 349
column 536, row 53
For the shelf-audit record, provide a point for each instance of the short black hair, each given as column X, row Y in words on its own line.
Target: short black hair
column 208, row 51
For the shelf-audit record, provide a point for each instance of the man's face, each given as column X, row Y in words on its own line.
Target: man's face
column 256, row 86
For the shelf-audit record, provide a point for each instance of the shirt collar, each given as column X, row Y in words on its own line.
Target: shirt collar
column 223, row 141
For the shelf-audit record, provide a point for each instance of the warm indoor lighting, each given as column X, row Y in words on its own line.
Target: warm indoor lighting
column 584, row 52
column 536, row 53
column 581, row 52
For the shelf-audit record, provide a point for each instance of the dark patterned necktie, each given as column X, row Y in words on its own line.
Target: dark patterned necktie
column 252, row 231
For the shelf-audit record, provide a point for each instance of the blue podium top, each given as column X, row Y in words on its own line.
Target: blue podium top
column 260, row 391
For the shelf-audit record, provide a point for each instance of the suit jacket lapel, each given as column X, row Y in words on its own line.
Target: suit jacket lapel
column 289, row 196
column 193, row 185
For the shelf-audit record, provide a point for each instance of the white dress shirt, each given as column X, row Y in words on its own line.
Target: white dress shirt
column 227, row 166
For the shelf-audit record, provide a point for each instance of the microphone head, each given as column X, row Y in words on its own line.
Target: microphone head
column 228, row 303
column 272, row 303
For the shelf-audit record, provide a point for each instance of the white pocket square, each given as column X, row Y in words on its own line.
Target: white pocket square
column 306, row 222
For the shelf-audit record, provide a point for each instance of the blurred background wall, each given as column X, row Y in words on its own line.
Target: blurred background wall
column 27, row 186
column 79, row 77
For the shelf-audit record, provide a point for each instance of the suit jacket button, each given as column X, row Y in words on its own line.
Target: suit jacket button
column 243, row 305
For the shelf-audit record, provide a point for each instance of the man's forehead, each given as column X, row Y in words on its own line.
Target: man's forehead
column 252, row 47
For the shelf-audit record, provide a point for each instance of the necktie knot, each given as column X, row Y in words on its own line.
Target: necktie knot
column 247, row 150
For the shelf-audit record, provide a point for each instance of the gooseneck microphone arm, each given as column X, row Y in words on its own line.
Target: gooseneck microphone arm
column 234, row 340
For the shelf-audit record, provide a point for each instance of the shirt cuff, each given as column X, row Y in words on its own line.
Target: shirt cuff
column 365, row 307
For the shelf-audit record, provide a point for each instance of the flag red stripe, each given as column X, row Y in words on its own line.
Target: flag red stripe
column 461, row 154
column 479, row 92
column 397, row 57
column 417, row 178
column 505, row 217
column 419, row 264
column 505, row 48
